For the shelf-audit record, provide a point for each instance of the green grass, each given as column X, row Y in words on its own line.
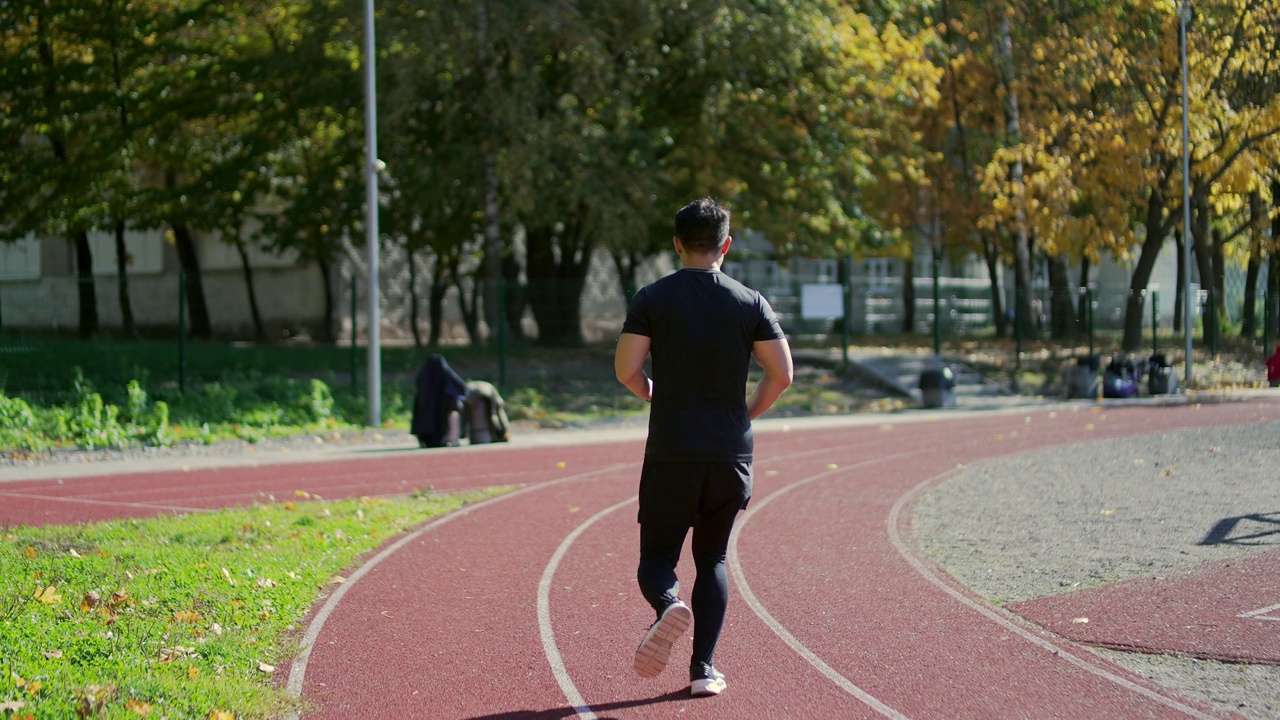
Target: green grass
column 179, row 616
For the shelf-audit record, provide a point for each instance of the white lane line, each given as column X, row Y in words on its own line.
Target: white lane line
column 1061, row 652
column 1255, row 614
column 739, row 578
column 580, row 706
column 298, row 671
column 113, row 503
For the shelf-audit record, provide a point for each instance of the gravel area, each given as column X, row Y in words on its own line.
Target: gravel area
column 1072, row 517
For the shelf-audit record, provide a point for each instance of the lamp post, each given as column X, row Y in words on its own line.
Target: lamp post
column 372, row 165
column 1184, row 9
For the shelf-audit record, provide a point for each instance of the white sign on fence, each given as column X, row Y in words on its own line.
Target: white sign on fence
column 821, row 301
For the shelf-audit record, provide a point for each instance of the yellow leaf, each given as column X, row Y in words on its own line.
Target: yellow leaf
column 220, row 715
column 48, row 596
column 34, row 686
column 31, row 553
column 186, row 616
column 290, row 506
column 193, row 672
column 302, row 493
column 138, row 707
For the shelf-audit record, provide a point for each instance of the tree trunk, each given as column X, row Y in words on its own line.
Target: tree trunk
column 1203, row 252
column 991, row 253
column 557, row 273
column 467, row 303
column 326, row 330
column 413, row 299
column 201, row 328
column 435, row 300
column 259, row 330
column 1061, row 314
column 625, row 264
column 492, row 249
column 1141, row 277
column 1273, row 269
column 909, row 294
column 1248, row 313
column 1082, row 302
column 122, row 284
column 1013, row 136
column 514, row 296
column 85, row 284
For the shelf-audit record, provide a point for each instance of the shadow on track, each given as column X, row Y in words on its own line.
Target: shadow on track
column 1259, row 529
column 567, row 711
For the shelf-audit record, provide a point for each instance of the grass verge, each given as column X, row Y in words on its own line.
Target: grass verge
column 178, row 616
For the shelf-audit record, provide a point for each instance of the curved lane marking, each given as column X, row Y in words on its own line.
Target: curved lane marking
column 580, row 706
column 739, row 577
column 113, row 503
column 1063, row 651
column 298, row 671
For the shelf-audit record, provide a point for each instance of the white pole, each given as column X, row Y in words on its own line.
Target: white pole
column 374, row 388
column 1183, row 10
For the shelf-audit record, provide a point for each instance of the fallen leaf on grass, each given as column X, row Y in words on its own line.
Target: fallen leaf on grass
column 34, row 686
column 337, row 580
column 227, row 574
column 265, row 582
column 187, row 616
column 48, row 595
column 73, row 553
column 220, row 715
column 91, row 600
column 12, row 706
column 52, row 654
column 263, row 667
column 30, row 552
column 138, row 707
column 216, row 629
column 193, row 672
column 290, row 506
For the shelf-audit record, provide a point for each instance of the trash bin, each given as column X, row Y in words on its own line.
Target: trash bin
column 1082, row 378
column 937, row 387
column 1160, row 377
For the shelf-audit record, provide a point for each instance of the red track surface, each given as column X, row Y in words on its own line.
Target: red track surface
column 526, row 606
column 1228, row 610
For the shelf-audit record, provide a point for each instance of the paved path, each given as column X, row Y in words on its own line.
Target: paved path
column 525, row 606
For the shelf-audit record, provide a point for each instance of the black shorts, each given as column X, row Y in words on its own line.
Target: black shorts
column 682, row 493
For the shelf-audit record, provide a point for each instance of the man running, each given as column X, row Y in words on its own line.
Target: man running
column 700, row 328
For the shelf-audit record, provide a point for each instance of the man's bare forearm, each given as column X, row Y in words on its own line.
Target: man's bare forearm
column 766, row 394
column 640, row 385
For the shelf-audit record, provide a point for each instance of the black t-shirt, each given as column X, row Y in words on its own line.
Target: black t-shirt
column 701, row 325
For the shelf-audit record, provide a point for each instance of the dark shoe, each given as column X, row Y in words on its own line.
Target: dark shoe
column 653, row 653
column 705, row 680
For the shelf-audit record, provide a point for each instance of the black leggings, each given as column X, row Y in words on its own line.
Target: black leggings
column 660, row 546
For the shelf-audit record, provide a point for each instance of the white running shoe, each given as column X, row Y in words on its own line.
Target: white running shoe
column 653, row 653
column 705, row 680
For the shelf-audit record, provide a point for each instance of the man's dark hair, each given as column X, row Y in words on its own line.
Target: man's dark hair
column 702, row 225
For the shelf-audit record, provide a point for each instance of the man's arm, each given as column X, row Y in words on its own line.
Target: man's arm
column 628, row 364
column 775, row 357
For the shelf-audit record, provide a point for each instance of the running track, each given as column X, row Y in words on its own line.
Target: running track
column 525, row 606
